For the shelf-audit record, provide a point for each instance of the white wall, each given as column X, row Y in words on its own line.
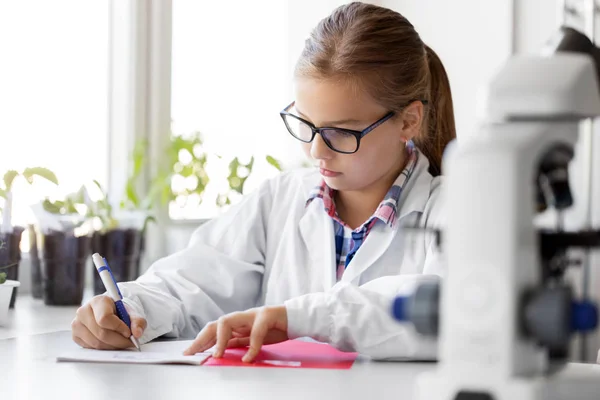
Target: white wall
column 535, row 21
column 472, row 38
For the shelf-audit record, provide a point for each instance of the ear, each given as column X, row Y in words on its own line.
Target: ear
column 412, row 119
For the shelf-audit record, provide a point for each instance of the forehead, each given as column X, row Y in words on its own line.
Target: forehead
column 324, row 100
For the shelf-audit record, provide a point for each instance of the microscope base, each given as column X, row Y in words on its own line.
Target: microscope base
column 574, row 382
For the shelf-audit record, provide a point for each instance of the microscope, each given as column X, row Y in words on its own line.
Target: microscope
column 504, row 313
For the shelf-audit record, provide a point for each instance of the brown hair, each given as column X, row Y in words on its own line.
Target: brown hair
column 380, row 50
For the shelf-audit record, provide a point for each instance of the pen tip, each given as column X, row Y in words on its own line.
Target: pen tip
column 136, row 343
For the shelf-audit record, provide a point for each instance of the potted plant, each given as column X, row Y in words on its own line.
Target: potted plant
column 119, row 237
column 238, row 174
column 121, row 233
column 10, row 235
column 7, row 288
column 62, row 246
column 186, row 161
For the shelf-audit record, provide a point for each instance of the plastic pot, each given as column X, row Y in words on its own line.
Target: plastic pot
column 36, row 271
column 6, row 290
column 122, row 250
column 63, row 258
column 10, row 254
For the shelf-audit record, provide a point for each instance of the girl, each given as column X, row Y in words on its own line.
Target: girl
column 319, row 252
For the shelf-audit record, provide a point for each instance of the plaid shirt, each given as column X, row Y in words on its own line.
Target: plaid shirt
column 348, row 241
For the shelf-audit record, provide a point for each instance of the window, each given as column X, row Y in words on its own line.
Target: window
column 231, row 75
column 53, row 101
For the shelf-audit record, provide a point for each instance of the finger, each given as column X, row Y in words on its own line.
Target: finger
column 89, row 339
column 138, row 326
column 224, row 333
column 275, row 336
column 239, row 333
column 238, row 342
column 80, row 342
column 111, row 338
column 205, row 340
column 260, row 328
column 104, row 314
column 75, row 331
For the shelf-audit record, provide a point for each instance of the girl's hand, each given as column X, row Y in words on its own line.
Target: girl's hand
column 96, row 326
column 253, row 328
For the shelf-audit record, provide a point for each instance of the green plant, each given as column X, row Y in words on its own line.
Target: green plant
column 186, row 159
column 132, row 199
column 275, row 163
column 238, row 174
column 3, row 274
column 76, row 205
column 28, row 174
column 103, row 210
column 69, row 205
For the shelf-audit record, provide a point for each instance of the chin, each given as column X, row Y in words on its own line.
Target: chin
column 336, row 183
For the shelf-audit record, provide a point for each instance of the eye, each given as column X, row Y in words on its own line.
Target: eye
column 337, row 133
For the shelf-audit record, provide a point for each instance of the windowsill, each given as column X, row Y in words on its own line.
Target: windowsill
column 188, row 222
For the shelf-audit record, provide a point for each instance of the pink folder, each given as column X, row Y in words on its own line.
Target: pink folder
column 289, row 354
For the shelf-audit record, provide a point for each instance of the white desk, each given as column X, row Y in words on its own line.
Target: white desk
column 39, row 333
column 32, row 317
column 28, row 371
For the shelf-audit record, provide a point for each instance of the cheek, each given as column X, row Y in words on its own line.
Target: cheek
column 373, row 160
column 306, row 149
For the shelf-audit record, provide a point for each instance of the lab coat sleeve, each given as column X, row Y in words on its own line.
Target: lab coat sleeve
column 219, row 272
column 353, row 318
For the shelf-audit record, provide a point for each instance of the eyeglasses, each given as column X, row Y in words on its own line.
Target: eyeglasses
column 346, row 141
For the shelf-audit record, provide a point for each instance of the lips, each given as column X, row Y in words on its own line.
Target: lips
column 328, row 173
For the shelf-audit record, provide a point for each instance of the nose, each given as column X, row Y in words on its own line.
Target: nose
column 319, row 149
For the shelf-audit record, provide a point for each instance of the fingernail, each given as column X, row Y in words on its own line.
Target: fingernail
column 247, row 357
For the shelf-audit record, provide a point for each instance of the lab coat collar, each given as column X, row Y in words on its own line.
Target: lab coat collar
column 412, row 203
column 316, row 227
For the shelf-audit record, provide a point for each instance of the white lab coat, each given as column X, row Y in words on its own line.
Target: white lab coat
column 273, row 249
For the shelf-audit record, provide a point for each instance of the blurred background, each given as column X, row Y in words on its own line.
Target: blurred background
column 162, row 113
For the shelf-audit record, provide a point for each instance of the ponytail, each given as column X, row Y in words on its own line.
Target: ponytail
column 439, row 128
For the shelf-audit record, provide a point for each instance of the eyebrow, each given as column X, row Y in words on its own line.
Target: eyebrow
column 330, row 123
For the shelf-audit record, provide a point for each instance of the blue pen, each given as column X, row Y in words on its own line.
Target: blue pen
column 110, row 284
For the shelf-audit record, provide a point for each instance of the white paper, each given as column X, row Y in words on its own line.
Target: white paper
column 170, row 352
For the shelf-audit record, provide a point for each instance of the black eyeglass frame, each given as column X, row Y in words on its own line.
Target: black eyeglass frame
column 357, row 134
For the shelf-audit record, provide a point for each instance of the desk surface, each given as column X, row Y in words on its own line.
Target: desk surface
column 28, row 370
column 32, row 317
column 36, row 334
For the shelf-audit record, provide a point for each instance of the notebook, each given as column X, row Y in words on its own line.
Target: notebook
column 289, row 354
column 170, row 352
